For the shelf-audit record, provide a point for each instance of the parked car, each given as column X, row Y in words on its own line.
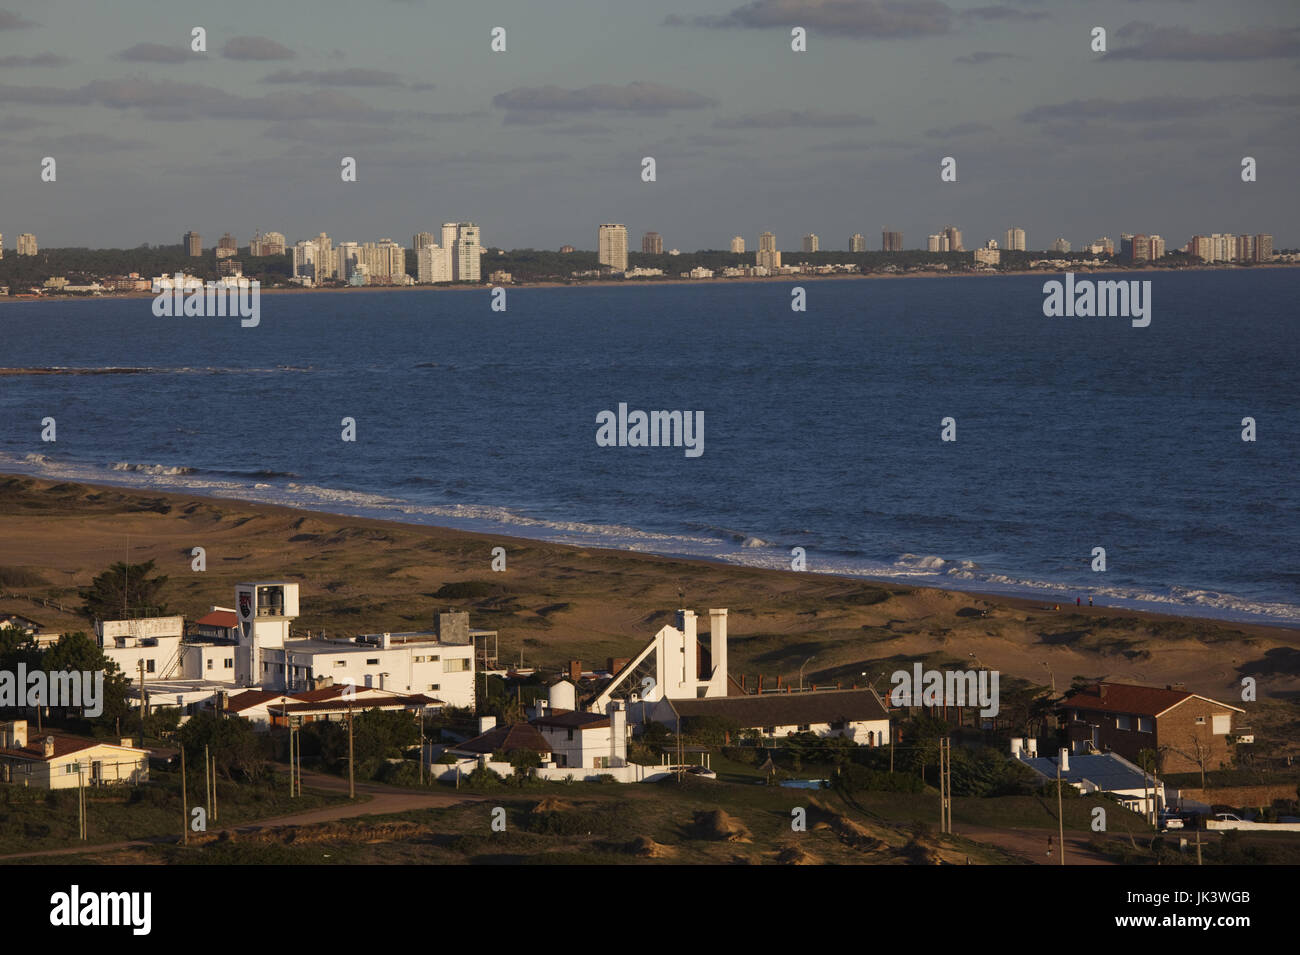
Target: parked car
column 1170, row 820
column 1228, row 817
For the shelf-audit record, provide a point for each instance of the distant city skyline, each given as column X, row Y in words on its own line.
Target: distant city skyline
column 536, row 143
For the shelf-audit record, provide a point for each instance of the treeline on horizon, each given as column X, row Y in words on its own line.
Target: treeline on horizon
column 83, row 264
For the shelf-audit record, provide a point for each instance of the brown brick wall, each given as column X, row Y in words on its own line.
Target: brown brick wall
column 1178, row 737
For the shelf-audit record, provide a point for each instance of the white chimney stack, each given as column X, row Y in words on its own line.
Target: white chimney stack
column 718, row 649
column 1064, row 760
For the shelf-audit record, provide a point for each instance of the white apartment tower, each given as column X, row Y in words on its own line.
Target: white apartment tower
column 612, row 246
column 466, row 252
column 433, row 264
column 737, row 245
column 811, row 243
column 1015, row 239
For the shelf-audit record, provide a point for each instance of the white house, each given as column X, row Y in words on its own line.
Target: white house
column 676, row 664
column 59, row 761
column 580, row 739
column 858, row 715
column 1110, row 773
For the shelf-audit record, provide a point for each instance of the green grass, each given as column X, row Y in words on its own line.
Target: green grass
column 34, row 820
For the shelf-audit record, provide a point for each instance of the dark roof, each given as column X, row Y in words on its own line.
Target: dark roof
column 360, row 705
column 1130, row 698
column 572, row 719
column 249, row 698
column 506, row 739
column 788, row 709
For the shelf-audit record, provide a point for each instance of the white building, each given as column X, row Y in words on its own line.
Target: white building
column 433, row 264
column 1111, row 773
column 675, row 664
column 466, row 253
column 1015, row 239
column 58, row 761
column 26, row 244
column 811, row 243
column 737, row 244
column 152, row 641
column 612, row 246
column 304, row 261
column 579, row 739
column 348, row 256
column 767, row 256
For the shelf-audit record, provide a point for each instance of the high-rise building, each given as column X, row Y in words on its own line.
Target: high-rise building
column 304, row 260
column 449, row 230
column 193, row 244
column 990, row 254
column 1157, row 247
column 857, row 242
column 273, row 243
column 566, row 249
column 26, row 244
column 433, row 264
column 421, row 239
column 891, row 241
column 467, row 255
column 2, row 245
column 737, row 245
column 612, row 246
column 1104, row 245
column 939, row 243
column 1263, row 247
column 954, row 239
column 652, row 243
column 811, row 243
column 767, row 256
column 1015, row 239
column 347, row 257
column 327, row 264
column 227, row 246
column 385, row 262
column 1060, row 246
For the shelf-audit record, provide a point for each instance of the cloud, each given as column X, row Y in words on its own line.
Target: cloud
column 42, row 95
column 39, row 59
column 256, row 48
column 1004, row 13
column 981, row 56
column 155, row 53
column 1179, row 43
column 12, row 21
column 792, row 118
column 634, row 97
column 92, row 143
column 1145, row 110
column 348, row 77
column 856, row 18
column 960, row 129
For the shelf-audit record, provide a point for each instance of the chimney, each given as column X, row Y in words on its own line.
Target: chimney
column 617, row 733
column 486, row 723
column 1017, row 744
column 1101, row 691
column 718, row 648
column 575, row 671
column 14, row 735
column 47, row 749
column 1064, row 760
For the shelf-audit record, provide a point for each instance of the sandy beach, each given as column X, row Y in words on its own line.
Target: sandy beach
column 555, row 603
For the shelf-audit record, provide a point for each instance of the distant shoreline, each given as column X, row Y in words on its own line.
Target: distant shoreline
column 640, row 283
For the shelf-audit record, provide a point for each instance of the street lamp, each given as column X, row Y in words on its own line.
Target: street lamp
column 801, row 666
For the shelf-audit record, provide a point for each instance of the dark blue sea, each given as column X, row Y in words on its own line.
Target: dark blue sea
column 822, row 428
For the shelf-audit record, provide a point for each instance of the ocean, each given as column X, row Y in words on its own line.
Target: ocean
column 822, row 429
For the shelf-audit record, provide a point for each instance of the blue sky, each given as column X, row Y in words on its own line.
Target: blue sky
column 543, row 142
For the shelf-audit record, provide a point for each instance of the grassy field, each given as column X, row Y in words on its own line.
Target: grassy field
column 32, row 820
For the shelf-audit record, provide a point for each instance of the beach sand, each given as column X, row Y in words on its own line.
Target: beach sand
column 555, row 603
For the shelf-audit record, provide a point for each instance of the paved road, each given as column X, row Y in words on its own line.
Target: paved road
column 373, row 799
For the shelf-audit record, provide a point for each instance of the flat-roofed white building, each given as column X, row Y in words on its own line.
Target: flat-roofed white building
column 153, row 641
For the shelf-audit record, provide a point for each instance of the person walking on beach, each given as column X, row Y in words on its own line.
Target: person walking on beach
column 1078, row 601
column 1089, row 601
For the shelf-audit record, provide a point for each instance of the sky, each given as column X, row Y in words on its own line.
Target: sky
column 541, row 143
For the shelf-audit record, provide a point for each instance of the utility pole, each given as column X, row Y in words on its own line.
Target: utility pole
column 142, row 706
column 185, row 806
column 81, row 805
column 207, row 776
column 352, row 789
column 214, row 789
column 290, row 757
column 422, row 746
column 1060, row 817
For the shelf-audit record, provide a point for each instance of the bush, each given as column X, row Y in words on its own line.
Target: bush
column 853, row 778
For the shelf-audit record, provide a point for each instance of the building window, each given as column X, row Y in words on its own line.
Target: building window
column 769, row 730
column 230, row 664
column 837, row 725
column 340, row 663
column 459, row 665
column 433, row 686
column 434, row 658
column 1145, row 724
column 1200, row 721
column 1221, row 724
column 148, row 668
column 804, row 727
column 1123, row 723
column 209, row 664
column 570, row 735
column 373, row 662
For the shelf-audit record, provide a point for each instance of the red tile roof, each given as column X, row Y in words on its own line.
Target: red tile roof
column 572, row 720
column 506, row 739
column 218, row 618
column 1130, row 698
column 63, row 746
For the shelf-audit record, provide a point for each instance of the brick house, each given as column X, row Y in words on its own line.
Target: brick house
column 1184, row 729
